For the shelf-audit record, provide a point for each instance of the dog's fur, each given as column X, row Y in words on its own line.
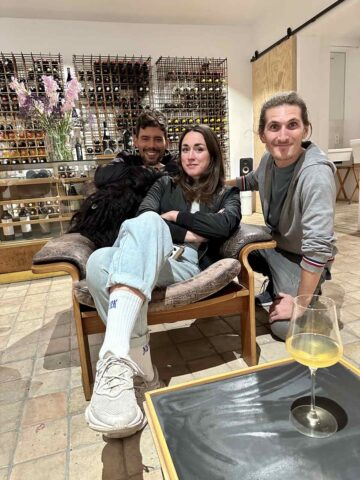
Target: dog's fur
column 102, row 213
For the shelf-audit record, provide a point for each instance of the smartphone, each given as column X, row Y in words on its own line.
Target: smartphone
column 177, row 252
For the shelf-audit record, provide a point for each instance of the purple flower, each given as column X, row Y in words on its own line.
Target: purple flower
column 20, row 90
column 71, row 94
column 51, row 90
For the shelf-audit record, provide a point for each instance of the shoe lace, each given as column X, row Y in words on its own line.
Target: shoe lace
column 118, row 378
column 264, row 286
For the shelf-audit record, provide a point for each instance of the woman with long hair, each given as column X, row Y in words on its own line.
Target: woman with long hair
column 180, row 226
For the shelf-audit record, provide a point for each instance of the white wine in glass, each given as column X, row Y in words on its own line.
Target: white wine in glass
column 313, row 340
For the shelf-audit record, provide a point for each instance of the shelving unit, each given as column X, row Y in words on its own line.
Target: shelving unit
column 22, row 140
column 51, row 194
column 192, row 91
column 115, row 90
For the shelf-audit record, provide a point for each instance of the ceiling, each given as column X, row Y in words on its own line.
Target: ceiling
column 194, row 12
column 247, row 13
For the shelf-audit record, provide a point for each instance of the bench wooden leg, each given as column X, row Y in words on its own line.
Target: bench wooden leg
column 248, row 334
column 84, row 352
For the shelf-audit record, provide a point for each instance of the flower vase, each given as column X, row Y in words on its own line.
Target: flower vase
column 58, row 146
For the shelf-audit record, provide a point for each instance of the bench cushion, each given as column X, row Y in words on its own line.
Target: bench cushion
column 206, row 283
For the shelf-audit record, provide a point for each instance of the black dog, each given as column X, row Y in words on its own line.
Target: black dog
column 102, row 213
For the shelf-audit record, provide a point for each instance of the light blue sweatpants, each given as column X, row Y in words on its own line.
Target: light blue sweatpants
column 139, row 259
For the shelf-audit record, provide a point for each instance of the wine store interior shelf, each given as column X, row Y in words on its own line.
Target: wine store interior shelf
column 37, row 202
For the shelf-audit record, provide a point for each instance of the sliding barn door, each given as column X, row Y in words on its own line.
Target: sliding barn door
column 273, row 72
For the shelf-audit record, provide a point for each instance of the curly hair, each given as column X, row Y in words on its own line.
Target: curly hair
column 102, row 213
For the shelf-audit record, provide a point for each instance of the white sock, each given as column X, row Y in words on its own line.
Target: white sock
column 124, row 308
column 142, row 357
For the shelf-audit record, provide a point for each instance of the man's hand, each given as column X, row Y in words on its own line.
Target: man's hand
column 282, row 308
column 170, row 216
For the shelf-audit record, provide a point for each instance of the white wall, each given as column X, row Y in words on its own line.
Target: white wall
column 352, row 95
column 75, row 37
column 313, row 69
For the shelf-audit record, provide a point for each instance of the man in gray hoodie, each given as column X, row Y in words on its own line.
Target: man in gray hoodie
column 296, row 184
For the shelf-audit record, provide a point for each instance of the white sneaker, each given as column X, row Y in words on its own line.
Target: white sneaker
column 113, row 409
column 142, row 386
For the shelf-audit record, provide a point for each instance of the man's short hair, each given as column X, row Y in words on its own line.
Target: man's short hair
column 151, row 118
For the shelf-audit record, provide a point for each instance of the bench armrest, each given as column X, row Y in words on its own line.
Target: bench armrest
column 244, row 235
column 71, row 248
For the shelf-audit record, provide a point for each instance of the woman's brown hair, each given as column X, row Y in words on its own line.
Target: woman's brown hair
column 213, row 179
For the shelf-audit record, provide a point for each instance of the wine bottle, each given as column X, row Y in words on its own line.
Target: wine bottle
column 24, row 215
column 74, row 204
column 45, row 228
column 78, row 150
column 106, row 139
column 68, row 78
column 127, row 139
column 6, row 217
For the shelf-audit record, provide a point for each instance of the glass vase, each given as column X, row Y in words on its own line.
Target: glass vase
column 58, row 146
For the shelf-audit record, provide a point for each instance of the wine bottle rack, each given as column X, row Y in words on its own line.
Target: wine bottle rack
column 115, row 90
column 23, row 140
column 192, row 91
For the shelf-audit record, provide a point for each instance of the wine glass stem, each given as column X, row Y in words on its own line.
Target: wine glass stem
column 313, row 378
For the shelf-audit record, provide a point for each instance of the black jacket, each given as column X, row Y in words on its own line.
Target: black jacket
column 108, row 173
column 166, row 195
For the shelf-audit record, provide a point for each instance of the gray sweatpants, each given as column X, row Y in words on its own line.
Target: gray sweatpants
column 283, row 269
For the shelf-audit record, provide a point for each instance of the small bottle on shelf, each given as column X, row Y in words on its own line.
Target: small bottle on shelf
column 6, row 217
column 24, row 215
column 74, row 204
column 68, row 77
column 45, row 228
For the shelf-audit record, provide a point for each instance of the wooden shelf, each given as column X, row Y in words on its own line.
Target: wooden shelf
column 42, row 199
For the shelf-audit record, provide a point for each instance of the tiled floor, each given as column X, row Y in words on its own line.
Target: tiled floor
column 42, row 429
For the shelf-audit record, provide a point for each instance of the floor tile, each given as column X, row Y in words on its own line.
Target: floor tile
column 132, row 455
column 274, row 351
column 7, row 447
column 196, row 349
column 166, row 355
column 77, row 402
column 44, row 408
column 52, row 362
column 51, row 382
column 213, row 326
column 4, row 473
column 10, row 415
column 19, row 352
column 99, row 461
column 16, row 370
column 55, row 345
column 180, row 335
column 81, row 434
column 205, row 367
column 40, row 468
column 148, row 452
column 226, row 343
column 42, row 439
column 14, row 391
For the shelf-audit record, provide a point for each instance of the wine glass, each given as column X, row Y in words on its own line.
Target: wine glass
column 313, row 339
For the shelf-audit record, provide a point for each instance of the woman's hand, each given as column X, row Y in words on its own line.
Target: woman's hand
column 170, row 216
column 192, row 237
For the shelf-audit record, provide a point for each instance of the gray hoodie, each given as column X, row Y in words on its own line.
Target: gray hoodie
column 306, row 224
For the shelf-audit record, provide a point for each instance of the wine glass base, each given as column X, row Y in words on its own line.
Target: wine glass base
column 323, row 425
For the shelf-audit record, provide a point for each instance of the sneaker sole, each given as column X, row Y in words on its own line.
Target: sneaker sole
column 111, row 432
column 264, row 304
